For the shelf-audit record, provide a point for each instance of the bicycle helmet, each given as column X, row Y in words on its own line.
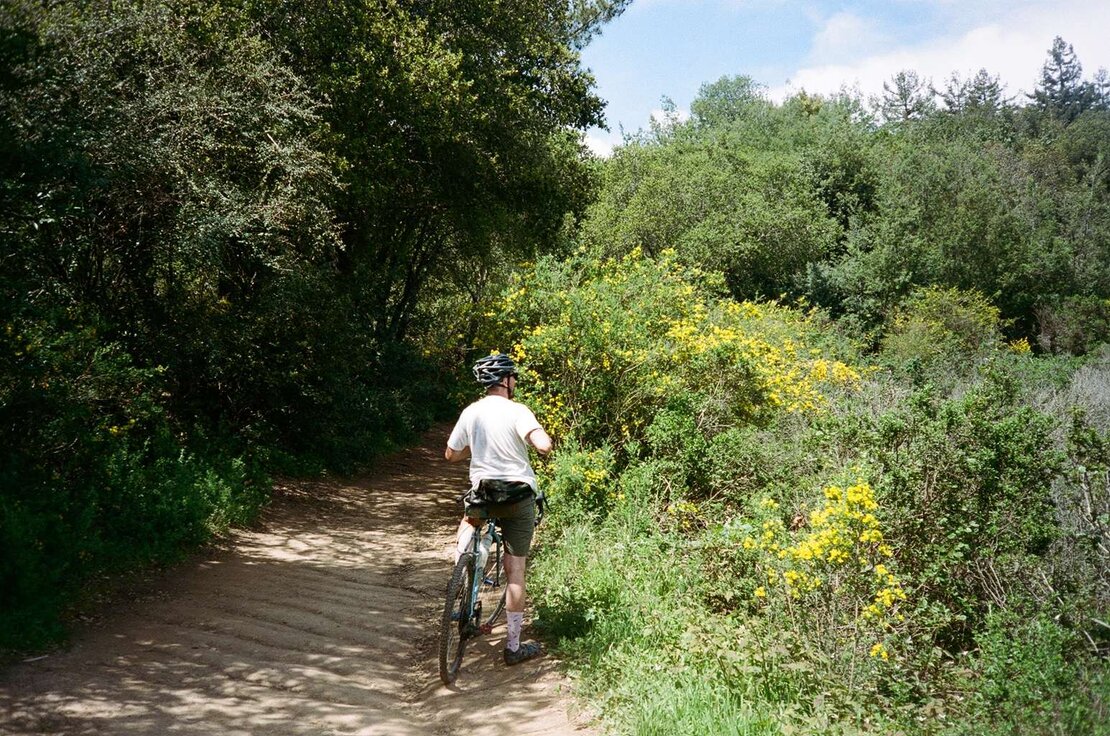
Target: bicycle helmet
column 491, row 369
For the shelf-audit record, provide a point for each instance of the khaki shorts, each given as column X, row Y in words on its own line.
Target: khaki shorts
column 516, row 520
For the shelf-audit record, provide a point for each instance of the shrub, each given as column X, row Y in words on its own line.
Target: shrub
column 607, row 346
column 1079, row 563
column 95, row 477
column 580, row 482
column 970, row 483
column 942, row 330
column 890, row 594
column 1074, row 324
column 831, row 573
column 1031, row 676
column 743, row 462
column 646, row 648
column 824, row 576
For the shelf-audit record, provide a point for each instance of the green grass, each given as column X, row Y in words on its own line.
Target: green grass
column 620, row 601
column 628, row 603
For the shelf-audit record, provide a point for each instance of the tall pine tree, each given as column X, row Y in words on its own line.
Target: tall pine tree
column 1062, row 92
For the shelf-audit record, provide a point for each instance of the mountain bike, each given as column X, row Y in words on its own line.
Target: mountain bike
column 475, row 593
column 475, row 599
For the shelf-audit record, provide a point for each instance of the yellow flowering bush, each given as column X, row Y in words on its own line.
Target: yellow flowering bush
column 941, row 327
column 832, row 573
column 582, row 478
column 606, row 344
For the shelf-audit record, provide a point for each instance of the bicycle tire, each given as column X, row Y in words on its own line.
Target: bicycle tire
column 456, row 620
column 491, row 591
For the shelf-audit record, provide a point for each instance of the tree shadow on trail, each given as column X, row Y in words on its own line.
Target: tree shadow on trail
column 322, row 619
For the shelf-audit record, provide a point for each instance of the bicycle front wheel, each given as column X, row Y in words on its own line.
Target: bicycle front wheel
column 455, row 624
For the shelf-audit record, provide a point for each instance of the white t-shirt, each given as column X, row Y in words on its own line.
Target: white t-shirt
column 495, row 429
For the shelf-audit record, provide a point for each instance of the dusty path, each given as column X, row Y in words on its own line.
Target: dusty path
column 322, row 621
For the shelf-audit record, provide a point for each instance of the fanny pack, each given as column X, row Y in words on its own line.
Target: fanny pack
column 492, row 492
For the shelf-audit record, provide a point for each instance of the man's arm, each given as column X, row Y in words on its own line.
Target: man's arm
column 540, row 440
column 453, row 456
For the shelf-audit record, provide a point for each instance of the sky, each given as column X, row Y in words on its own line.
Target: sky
column 670, row 48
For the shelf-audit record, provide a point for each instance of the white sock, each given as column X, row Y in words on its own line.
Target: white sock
column 515, row 621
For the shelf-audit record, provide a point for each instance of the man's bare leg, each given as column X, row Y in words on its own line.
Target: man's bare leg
column 464, row 536
column 514, row 611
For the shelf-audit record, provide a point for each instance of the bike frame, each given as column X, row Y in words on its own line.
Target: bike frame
column 478, row 578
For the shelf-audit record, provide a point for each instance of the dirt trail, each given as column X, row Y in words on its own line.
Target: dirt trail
column 324, row 620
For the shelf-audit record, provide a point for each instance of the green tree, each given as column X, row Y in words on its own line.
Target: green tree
column 160, row 189
column 1101, row 89
column 981, row 95
column 905, row 97
column 745, row 187
column 217, row 223
column 588, row 16
column 1062, row 93
column 454, row 126
column 955, row 208
column 173, row 190
column 728, row 99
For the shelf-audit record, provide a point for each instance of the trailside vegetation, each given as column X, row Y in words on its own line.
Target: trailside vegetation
column 832, row 393
column 226, row 227
column 829, row 377
column 757, row 528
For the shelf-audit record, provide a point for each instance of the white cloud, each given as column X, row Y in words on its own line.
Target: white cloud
column 839, row 38
column 1014, row 47
column 602, row 144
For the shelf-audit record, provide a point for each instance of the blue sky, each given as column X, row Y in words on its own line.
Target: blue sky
column 670, row 48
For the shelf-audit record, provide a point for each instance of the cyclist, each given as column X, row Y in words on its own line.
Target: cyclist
column 495, row 433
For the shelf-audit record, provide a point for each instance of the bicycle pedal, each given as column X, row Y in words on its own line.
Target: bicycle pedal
column 491, row 582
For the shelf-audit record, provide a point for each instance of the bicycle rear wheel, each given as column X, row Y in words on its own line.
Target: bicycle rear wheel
column 455, row 624
column 491, row 590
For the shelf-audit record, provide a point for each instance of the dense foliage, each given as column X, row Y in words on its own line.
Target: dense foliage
column 857, row 555
column 828, row 377
column 812, row 197
column 878, row 502
column 220, row 223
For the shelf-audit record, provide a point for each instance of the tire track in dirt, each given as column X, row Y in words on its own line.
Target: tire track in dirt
column 323, row 620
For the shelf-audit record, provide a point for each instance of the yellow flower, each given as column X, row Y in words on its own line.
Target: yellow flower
column 760, row 592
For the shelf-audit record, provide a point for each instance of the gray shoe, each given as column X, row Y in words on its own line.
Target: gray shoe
column 526, row 651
